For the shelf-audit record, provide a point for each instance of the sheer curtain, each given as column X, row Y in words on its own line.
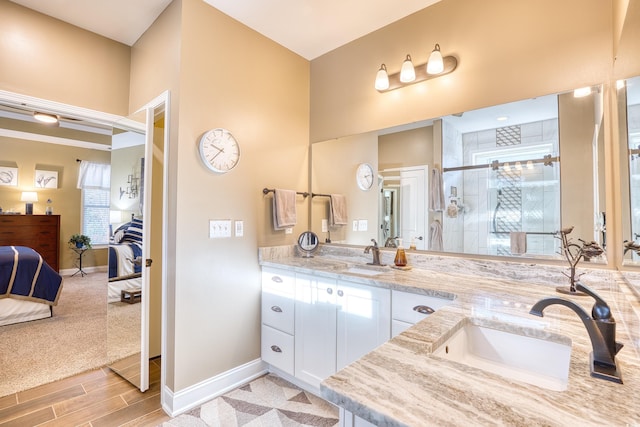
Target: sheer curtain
column 94, row 175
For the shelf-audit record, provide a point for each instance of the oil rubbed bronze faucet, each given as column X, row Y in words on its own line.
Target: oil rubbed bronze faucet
column 601, row 327
column 375, row 250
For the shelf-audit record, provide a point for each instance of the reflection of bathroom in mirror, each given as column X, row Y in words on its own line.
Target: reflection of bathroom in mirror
column 511, row 176
column 629, row 133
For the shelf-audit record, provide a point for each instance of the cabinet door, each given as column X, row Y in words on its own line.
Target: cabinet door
column 315, row 329
column 364, row 321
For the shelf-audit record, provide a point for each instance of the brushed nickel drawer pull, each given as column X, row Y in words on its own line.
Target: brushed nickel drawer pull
column 424, row 309
column 329, row 291
column 276, row 349
column 340, row 293
column 276, row 279
column 276, row 309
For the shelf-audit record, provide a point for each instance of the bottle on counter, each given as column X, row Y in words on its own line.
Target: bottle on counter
column 401, row 256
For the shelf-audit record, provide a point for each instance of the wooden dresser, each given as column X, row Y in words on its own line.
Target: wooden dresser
column 40, row 232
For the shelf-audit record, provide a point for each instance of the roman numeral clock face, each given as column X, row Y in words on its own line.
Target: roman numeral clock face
column 219, row 150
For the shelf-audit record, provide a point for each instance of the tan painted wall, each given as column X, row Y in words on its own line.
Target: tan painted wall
column 260, row 92
column 507, row 50
column 66, row 199
column 49, row 59
column 409, row 148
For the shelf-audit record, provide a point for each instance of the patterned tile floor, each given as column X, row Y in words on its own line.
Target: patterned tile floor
column 267, row 401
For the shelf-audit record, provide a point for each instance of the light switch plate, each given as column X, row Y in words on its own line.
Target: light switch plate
column 239, row 228
column 355, row 225
column 325, row 225
column 363, row 225
column 219, row 228
column 288, row 230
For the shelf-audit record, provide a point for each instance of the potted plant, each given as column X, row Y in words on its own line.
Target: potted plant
column 80, row 241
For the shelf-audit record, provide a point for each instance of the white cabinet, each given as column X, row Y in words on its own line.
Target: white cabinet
column 336, row 324
column 278, row 304
column 364, row 317
column 408, row 309
column 315, row 329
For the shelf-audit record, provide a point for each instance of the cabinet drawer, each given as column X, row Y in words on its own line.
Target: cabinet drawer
column 411, row 308
column 277, row 311
column 281, row 282
column 277, row 349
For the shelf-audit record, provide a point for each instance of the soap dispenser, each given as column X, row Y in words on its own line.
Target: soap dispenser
column 401, row 256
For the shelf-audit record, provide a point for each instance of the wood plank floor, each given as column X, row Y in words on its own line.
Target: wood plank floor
column 92, row 399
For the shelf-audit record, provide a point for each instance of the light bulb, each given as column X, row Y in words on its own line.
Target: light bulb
column 382, row 78
column 407, row 72
column 435, row 65
column 45, row 118
column 581, row 92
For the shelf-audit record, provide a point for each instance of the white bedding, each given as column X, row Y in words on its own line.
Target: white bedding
column 17, row 311
column 115, row 288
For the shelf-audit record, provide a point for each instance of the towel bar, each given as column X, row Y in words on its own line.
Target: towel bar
column 272, row 190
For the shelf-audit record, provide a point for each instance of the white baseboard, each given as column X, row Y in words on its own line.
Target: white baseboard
column 179, row 402
column 70, row 271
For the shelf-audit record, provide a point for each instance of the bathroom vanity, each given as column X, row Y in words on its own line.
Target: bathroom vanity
column 411, row 378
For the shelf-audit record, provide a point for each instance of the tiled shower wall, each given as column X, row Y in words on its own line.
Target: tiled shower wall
column 532, row 195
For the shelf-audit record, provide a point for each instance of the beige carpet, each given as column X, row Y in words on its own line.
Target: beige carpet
column 267, row 401
column 74, row 340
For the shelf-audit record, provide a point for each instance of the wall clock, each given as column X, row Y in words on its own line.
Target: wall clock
column 364, row 176
column 219, row 150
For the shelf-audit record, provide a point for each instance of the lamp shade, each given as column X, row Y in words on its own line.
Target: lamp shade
column 407, row 72
column 435, row 65
column 29, row 196
column 382, row 78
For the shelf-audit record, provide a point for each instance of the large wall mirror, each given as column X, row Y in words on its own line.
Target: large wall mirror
column 498, row 181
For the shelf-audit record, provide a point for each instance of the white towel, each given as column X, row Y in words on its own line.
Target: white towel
column 518, row 242
column 436, row 195
column 338, row 209
column 284, row 209
column 435, row 236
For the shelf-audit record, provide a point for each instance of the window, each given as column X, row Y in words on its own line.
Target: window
column 94, row 181
column 95, row 215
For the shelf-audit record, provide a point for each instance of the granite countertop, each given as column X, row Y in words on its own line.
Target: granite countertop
column 402, row 384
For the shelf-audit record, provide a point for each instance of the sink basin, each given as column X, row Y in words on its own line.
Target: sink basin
column 540, row 362
column 365, row 271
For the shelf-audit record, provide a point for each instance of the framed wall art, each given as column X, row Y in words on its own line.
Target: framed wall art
column 46, row 179
column 8, row 176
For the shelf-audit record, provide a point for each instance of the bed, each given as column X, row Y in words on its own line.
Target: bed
column 29, row 287
column 125, row 254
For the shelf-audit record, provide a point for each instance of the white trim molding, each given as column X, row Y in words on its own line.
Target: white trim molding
column 179, row 402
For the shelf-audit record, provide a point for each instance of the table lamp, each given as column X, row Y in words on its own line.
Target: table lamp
column 29, row 197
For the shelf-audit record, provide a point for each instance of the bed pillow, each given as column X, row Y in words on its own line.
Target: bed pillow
column 133, row 233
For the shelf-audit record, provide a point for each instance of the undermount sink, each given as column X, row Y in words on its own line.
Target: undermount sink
column 540, row 362
column 365, row 270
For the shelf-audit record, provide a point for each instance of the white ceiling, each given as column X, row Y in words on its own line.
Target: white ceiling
column 309, row 28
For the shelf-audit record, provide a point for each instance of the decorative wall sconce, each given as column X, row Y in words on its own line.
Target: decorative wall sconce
column 132, row 187
column 436, row 66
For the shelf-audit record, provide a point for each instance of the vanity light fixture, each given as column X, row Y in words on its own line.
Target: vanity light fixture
column 382, row 78
column 49, row 119
column 407, row 72
column 436, row 66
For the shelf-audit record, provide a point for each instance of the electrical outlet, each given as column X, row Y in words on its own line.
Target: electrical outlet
column 325, row 225
column 239, row 228
column 219, row 228
column 288, row 230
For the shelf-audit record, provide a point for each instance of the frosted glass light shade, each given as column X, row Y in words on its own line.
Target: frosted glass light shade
column 435, row 65
column 407, row 72
column 382, row 78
